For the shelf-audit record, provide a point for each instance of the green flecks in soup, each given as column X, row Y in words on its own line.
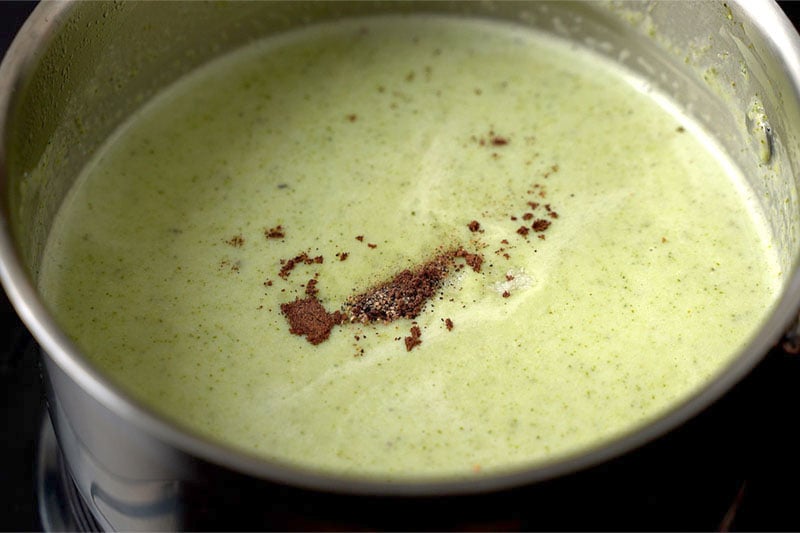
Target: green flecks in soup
column 623, row 261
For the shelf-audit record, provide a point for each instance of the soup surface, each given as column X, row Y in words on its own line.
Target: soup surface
column 624, row 261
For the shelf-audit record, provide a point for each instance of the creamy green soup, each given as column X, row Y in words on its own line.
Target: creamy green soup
column 374, row 145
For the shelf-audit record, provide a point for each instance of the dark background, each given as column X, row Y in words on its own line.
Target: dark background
column 20, row 389
column 734, row 467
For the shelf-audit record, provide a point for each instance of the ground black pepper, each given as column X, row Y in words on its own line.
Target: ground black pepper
column 406, row 294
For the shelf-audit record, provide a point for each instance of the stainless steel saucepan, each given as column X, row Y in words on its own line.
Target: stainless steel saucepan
column 76, row 71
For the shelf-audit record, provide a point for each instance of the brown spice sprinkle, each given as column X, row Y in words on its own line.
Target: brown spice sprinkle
column 540, row 225
column 232, row 265
column 352, row 117
column 475, row 261
column 275, row 233
column 342, row 255
column 237, row 241
column 493, row 140
column 550, row 212
column 523, row 230
column 311, row 287
column 360, row 238
column 403, row 296
column 307, row 317
column 414, row 339
column 371, row 245
column 474, row 226
column 302, row 258
column 448, row 324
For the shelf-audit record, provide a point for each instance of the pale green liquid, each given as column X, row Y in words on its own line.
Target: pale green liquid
column 656, row 272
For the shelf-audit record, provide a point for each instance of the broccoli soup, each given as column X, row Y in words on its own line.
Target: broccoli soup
column 410, row 246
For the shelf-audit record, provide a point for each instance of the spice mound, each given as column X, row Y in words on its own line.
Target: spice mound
column 403, row 296
column 307, row 317
column 406, row 294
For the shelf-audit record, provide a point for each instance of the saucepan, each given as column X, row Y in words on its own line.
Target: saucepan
column 76, row 71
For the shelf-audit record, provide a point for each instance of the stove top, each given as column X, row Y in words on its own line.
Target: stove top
column 734, row 467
